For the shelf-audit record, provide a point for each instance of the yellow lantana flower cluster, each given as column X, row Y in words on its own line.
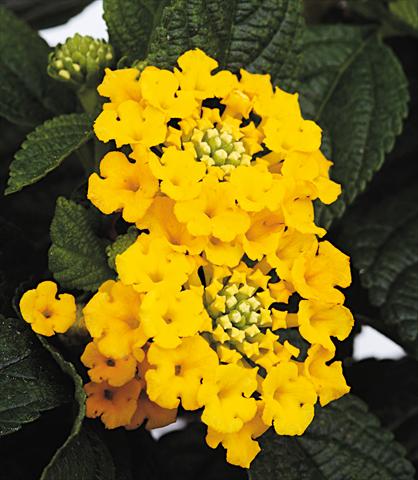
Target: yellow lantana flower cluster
column 219, row 166
column 218, row 173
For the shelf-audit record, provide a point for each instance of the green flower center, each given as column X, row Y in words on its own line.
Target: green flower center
column 218, row 148
column 238, row 313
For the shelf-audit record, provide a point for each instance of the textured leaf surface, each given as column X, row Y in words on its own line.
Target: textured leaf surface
column 23, row 78
column 130, row 24
column 77, row 257
column 260, row 35
column 121, row 243
column 354, row 87
column 30, row 381
column 383, row 243
column 344, row 442
column 46, row 147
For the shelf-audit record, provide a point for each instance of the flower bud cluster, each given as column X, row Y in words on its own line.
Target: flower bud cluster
column 80, row 61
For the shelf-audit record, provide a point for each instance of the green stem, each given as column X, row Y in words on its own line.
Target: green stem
column 89, row 100
column 85, row 155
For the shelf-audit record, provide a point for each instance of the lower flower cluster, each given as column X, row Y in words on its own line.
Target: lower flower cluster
column 228, row 301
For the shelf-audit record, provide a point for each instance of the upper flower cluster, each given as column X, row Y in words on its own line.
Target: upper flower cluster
column 219, row 165
column 219, row 174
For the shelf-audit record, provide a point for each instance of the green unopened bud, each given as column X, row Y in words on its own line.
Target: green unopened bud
column 80, row 61
column 231, row 302
column 251, row 331
column 253, row 318
column 139, row 65
column 244, row 306
column 235, row 316
column 225, row 322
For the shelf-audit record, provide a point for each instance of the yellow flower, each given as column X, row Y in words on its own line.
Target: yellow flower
column 289, row 400
column 115, row 405
column 312, row 169
column 179, row 173
column 195, row 76
column 301, row 135
column 119, row 86
column 226, row 398
column 241, row 447
column 159, row 88
column 255, row 188
column 264, row 233
column 116, row 372
column 327, row 378
column 112, row 319
column 168, row 318
column 291, row 246
column 255, row 85
column 177, row 373
column 224, row 174
column 316, row 277
column 213, row 213
column 152, row 414
column 122, row 185
column 298, row 210
column 223, row 253
column 150, row 263
column 162, row 222
column 131, row 123
column 284, row 128
column 45, row 312
column 319, row 321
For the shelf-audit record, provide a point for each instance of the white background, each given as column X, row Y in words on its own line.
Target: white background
column 369, row 343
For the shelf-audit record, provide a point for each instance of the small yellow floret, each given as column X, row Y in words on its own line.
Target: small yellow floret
column 177, row 373
column 46, row 312
column 115, row 405
column 116, row 372
column 289, row 400
column 122, row 185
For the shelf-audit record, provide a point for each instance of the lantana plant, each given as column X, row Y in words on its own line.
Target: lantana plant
column 206, row 234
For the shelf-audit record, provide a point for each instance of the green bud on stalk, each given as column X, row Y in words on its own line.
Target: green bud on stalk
column 80, row 61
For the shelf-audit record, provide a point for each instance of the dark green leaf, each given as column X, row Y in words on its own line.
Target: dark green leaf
column 44, row 13
column 184, row 454
column 85, row 457
column 46, row 147
column 11, row 137
column 30, row 381
column 14, row 243
column 23, row 78
column 395, row 16
column 344, row 442
column 260, row 35
column 354, row 87
column 382, row 240
column 392, row 395
column 406, row 11
column 130, row 24
column 77, row 256
column 120, row 245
